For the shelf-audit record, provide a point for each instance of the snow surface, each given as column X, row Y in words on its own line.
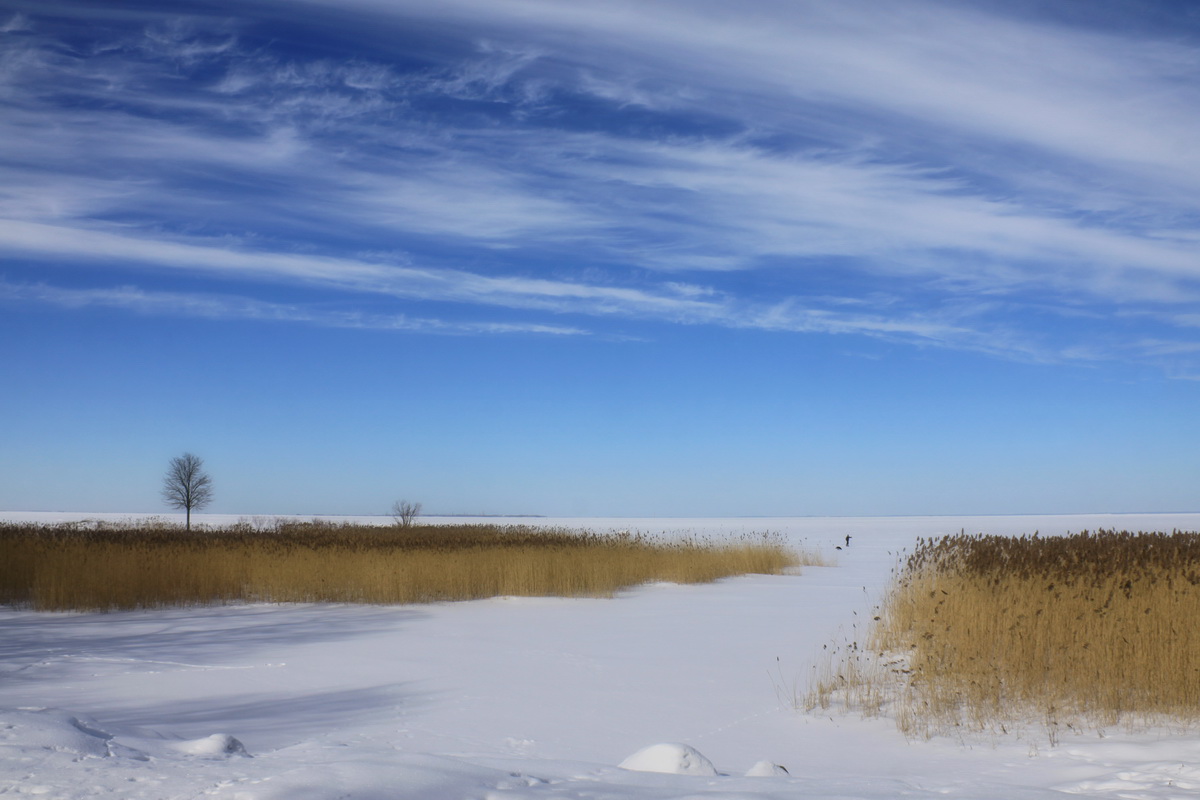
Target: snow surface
column 526, row 698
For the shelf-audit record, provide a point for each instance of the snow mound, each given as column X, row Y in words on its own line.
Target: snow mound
column 672, row 758
column 52, row 729
column 219, row 744
column 766, row 769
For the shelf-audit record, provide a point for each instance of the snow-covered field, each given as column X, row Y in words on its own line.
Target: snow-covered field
column 526, row 698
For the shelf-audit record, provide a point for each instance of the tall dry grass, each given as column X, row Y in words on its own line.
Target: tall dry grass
column 73, row 567
column 993, row 633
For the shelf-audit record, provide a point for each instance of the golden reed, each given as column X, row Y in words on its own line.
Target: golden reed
column 100, row 567
column 993, row 633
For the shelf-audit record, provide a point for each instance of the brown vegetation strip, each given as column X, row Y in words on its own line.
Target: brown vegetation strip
column 1087, row 630
column 74, row 567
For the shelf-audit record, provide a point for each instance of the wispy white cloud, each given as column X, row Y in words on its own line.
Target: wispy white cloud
column 225, row 307
column 15, row 24
column 685, row 304
column 1086, row 94
column 631, row 161
column 187, row 41
column 98, row 247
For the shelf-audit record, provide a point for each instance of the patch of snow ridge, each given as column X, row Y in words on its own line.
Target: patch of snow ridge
column 766, row 769
column 671, row 758
column 54, row 730
column 219, row 744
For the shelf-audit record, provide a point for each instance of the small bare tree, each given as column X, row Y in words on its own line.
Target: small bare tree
column 405, row 513
column 186, row 485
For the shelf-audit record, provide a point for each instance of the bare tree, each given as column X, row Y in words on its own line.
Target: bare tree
column 405, row 513
column 186, row 485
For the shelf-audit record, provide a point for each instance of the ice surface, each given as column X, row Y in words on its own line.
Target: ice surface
column 521, row 699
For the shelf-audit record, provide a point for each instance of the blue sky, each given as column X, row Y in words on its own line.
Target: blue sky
column 602, row 258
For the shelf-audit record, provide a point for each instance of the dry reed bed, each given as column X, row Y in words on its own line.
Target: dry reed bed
column 991, row 633
column 74, row 567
